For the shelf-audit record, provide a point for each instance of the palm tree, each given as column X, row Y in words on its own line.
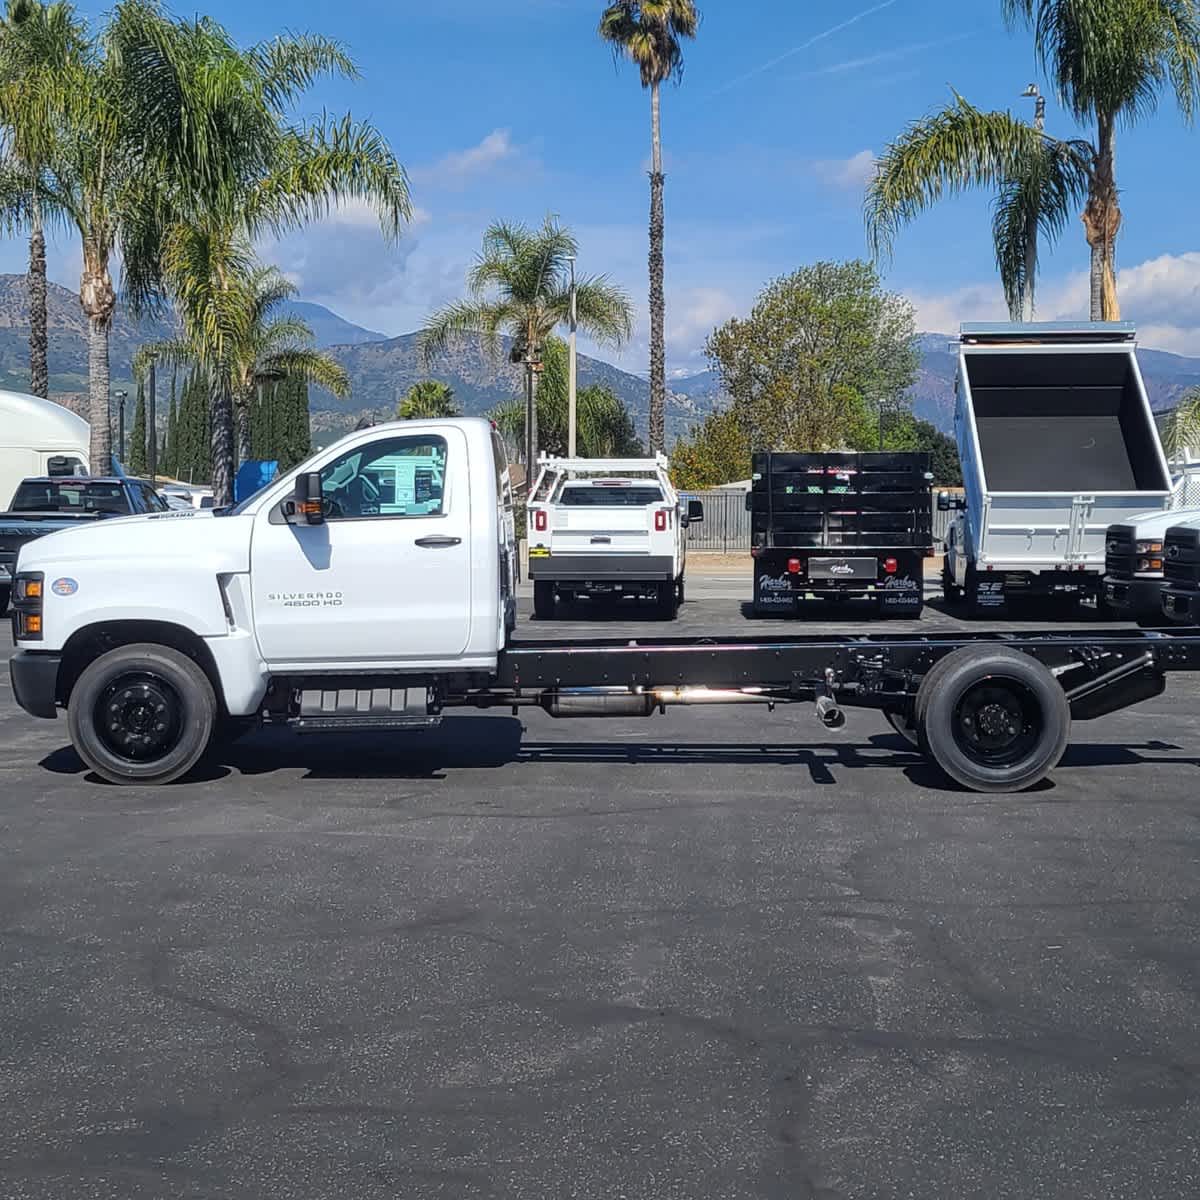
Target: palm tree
column 1038, row 181
column 427, row 399
column 259, row 344
column 1110, row 60
column 649, row 33
column 40, row 48
column 1182, row 429
column 520, row 286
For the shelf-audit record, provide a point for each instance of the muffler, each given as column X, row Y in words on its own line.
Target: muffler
column 829, row 714
column 598, row 702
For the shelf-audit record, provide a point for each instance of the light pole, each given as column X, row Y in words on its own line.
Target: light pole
column 572, row 369
column 1034, row 93
column 120, row 399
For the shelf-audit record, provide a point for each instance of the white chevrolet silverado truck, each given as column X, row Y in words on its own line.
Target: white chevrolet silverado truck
column 607, row 527
column 373, row 588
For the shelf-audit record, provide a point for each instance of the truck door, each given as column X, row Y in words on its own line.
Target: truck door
column 386, row 578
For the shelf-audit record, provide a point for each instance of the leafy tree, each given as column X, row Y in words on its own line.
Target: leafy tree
column 1110, row 60
column 650, row 33
column 604, row 426
column 41, row 49
column 716, row 451
column 907, row 432
column 1182, row 429
column 818, row 346
column 1038, row 181
column 428, row 398
column 137, row 436
column 520, row 286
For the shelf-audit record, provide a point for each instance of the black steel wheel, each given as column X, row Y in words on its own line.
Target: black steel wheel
column 142, row 714
column 543, row 599
column 994, row 719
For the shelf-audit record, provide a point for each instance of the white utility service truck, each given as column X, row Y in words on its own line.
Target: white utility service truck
column 607, row 527
column 370, row 588
column 1057, row 443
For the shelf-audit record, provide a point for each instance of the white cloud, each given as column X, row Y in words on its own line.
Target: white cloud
column 850, row 174
column 1161, row 296
column 460, row 166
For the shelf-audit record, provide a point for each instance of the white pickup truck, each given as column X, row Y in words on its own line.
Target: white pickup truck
column 372, row 588
column 607, row 527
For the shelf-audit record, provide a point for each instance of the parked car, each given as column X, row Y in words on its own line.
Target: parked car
column 607, row 527
column 47, row 504
column 1057, row 443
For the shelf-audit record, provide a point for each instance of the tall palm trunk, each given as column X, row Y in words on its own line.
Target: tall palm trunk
column 39, row 373
column 244, row 451
column 220, row 415
column 1102, row 223
column 658, row 356
column 98, row 300
column 531, row 421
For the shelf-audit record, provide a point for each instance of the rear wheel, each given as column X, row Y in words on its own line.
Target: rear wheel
column 994, row 719
column 904, row 725
column 668, row 601
column 543, row 599
column 679, row 589
column 142, row 714
column 950, row 589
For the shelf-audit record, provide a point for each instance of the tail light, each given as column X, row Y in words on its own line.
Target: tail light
column 660, row 520
column 794, row 566
column 539, row 520
column 891, row 566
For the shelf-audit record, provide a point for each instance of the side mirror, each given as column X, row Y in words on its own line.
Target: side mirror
column 695, row 511
column 307, row 507
column 943, row 502
column 749, row 502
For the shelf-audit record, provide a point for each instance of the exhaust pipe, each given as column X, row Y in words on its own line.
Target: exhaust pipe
column 829, row 714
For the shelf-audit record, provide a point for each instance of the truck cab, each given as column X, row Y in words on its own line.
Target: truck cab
column 607, row 527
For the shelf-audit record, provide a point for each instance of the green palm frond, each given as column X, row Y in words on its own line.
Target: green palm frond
column 1182, row 429
column 307, row 363
column 649, row 33
column 289, row 66
column 467, row 318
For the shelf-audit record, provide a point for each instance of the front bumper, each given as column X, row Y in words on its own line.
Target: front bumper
column 601, row 568
column 34, row 675
column 1142, row 597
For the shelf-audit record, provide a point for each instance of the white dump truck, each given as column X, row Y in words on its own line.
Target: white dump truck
column 1057, row 443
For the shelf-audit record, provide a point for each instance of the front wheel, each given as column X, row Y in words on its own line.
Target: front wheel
column 543, row 599
column 994, row 719
column 950, row 589
column 668, row 601
column 142, row 714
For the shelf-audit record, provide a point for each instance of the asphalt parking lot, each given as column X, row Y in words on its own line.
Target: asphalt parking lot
column 709, row 954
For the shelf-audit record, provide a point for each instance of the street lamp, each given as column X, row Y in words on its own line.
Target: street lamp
column 572, row 370
column 120, row 398
column 1033, row 92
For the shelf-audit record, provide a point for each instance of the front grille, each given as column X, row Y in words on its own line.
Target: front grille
column 1181, row 557
column 1120, row 552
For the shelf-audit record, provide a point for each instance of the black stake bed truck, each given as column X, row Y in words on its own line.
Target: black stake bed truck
column 840, row 527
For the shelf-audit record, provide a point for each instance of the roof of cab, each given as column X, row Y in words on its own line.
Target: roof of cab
column 26, row 419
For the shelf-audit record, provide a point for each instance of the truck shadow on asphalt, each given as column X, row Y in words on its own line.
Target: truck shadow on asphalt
column 470, row 742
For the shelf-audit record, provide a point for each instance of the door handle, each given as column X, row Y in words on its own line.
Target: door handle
column 438, row 542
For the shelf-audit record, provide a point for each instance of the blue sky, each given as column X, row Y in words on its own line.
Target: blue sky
column 515, row 110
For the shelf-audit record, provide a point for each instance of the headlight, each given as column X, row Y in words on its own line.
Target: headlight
column 1149, row 548
column 1150, row 564
column 27, row 596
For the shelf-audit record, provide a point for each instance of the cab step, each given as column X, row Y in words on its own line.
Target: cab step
column 364, row 708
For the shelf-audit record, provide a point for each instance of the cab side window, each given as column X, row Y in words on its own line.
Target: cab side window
column 399, row 477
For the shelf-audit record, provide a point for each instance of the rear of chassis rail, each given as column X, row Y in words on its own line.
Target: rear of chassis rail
column 992, row 709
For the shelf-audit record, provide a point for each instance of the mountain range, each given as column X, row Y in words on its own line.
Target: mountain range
column 382, row 369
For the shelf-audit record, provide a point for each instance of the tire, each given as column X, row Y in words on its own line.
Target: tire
column 679, row 590
column 952, row 592
column 163, row 711
column 4, row 596
column 543, row 599
column 993, row 719
column 668, row 601
column 903, row 724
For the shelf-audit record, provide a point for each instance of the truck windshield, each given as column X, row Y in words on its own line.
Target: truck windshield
column 70, row 496
column 610, row 497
